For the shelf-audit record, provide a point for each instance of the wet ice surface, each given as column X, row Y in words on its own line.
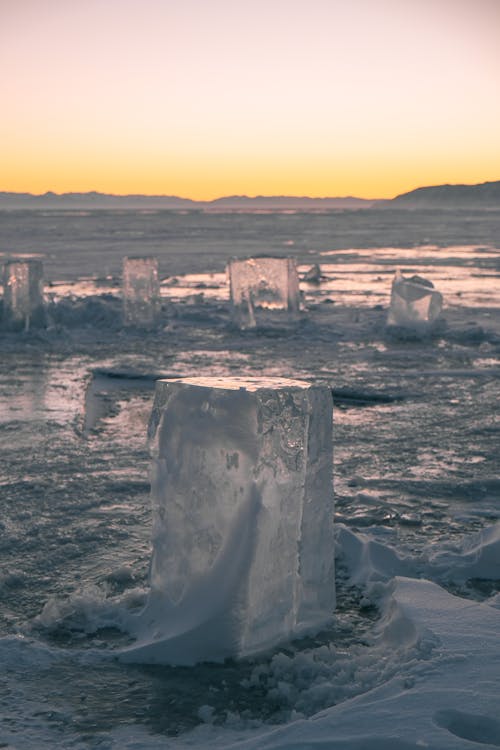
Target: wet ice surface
column 415, row 462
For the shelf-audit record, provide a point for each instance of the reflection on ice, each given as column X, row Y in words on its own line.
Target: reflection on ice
column 465, row 275
column 243, row 553
column 103, row 388
column 42, row 391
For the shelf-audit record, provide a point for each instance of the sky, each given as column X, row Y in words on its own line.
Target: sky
column 205, row 98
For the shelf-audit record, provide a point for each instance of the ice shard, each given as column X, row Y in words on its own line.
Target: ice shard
column 313, row 275
column 414, row 302
column 141, row 292
column 23, row 303
column 243, row 548
column 262, row 285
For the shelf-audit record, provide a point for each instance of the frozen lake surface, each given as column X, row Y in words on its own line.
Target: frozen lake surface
column 413, row 658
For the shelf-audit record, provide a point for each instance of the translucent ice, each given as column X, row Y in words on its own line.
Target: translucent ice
column 414, row 302
column 262, row 283
column 243, row 550
column 23, row 304
column 105, row 388
column 141, row 292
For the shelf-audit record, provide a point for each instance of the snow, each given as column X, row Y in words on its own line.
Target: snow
column 446, row 699
column 436, row 657
column 369, row 559
column 477, row 557
column 243, row 550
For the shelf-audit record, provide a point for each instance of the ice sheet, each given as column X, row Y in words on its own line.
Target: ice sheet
column 76, row 513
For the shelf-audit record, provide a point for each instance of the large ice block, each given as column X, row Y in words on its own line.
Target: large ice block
column 243, row 548
column 141, row 292
column 23, row 303
column 262, row 283
column 414, row 302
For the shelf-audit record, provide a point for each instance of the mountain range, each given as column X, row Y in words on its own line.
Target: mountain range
column 483, row 196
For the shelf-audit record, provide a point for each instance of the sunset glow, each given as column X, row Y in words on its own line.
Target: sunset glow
column 202, row 99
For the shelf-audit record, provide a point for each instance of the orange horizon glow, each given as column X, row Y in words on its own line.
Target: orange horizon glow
column 326, row 98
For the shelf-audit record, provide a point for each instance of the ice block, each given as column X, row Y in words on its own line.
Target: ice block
column 141, row 292
column 243, row 548
column 414, row 302
column 262, row 284
column 23, row 303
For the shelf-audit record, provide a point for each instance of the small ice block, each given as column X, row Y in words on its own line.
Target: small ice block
column 262, row 283
column 141, row 292
column 23, row 303
column 313, row 275
column 243, row 547
column 414, row 302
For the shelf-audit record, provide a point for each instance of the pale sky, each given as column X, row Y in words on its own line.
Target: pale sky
column 203, row 98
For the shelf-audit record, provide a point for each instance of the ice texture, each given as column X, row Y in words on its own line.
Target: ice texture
column 141, row 292
column 23, row 303
column 243, row 546
column 414, row 302
column 265, row 283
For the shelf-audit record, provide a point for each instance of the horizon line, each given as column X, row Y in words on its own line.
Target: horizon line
column 236, row 195
column 187, row 198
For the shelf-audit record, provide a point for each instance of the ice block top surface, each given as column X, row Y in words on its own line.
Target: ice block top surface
column 32, row 262
column 241, row 383
column 256, row 258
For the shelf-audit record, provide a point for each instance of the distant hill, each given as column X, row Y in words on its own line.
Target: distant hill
column 285, row 202
column 485, row 195
column 93, row 200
